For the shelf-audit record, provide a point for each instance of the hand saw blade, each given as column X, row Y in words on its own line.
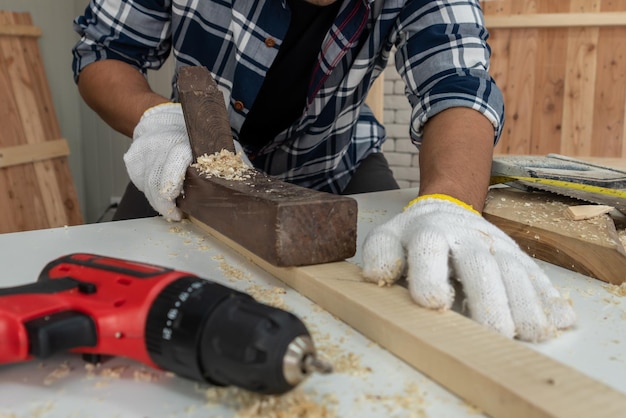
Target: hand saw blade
column 558, row 167
column 585, row 192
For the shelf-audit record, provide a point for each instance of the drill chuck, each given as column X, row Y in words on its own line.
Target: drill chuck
column 208, row 332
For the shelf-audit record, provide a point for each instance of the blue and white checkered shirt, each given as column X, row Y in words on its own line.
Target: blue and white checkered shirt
column 441, row 53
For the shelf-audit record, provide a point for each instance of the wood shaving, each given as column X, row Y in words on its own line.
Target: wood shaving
column 617, row 290
column 294, row 404
column 145, row 376
column 272, row 297
column 231, row 272
column 224, row 164
column 59, row 373
column 40, row 411
column 113, row 372
column 411, row 400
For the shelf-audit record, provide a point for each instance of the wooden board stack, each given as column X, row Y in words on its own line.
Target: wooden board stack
column 35, row 181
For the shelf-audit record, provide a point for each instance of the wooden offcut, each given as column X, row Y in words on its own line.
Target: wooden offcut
column 285, row 224
column 581, row 212
column 501, row 377
column 36, row 191
column 538, row 223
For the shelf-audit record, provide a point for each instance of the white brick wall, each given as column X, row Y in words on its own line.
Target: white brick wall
column 399, row 151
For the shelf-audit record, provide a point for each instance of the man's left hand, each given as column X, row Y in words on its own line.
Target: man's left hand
column 438, row 237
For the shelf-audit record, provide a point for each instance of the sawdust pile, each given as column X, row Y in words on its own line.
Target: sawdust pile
column 294, row 404
column 224, row 164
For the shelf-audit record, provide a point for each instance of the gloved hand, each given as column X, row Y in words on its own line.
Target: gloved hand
column 159, row 156
column 438, row 237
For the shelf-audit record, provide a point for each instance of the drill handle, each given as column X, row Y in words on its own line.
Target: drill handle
column 36, row 323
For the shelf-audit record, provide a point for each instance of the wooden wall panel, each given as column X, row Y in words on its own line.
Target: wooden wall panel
column 564, row 82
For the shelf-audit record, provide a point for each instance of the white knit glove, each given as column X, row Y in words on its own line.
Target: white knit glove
column 159, row 156
column 438, row 237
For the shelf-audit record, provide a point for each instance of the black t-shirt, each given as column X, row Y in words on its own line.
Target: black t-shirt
column 282, row 97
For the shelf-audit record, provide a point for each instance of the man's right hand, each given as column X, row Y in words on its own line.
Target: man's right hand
column 159, row 156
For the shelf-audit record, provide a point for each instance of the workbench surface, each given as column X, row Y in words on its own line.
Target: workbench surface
column 368, row 381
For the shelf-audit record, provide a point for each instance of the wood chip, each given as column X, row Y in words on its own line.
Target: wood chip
column 580, row 212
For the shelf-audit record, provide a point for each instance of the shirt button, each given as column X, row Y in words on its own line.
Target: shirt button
column 270, row 42
column 238, row 105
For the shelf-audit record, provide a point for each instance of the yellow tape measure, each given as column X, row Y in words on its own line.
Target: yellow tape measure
column 566, row 185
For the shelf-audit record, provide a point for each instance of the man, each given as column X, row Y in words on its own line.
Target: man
column 295, row 74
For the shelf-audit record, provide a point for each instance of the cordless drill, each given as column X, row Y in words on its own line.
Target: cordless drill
column 167, row 319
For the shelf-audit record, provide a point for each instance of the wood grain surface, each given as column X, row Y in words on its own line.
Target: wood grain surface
column 37, row 194
column 564, row 87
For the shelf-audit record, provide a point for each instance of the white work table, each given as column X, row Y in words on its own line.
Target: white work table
column 368, row 380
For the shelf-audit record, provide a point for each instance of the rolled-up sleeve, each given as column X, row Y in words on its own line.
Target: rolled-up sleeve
column 443, row 57
column 134, row 31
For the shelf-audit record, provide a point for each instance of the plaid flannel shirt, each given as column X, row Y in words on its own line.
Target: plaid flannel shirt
column 441, row 54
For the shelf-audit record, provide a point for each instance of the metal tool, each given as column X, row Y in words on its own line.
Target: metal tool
column 167, row 319
column 563, row 176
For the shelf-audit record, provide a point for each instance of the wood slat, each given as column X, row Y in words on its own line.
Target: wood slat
column 547, row 111
column 19, row 30
column 558, row 20
column 610, row 88
column 28, row 153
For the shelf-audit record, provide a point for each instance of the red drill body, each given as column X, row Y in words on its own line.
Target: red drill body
column 164, row 318
column 118, row 307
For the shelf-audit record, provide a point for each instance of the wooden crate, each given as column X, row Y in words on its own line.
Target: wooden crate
column 562, row 67
column 36, row 186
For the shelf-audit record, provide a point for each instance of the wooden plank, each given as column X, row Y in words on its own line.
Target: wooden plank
column 539, row 224
column 547, row 111
column 610, row 88
column 557, row 20
column 287, row 225
column 28, row 153
column 499, row 376
column 521, row 82
column 580, row 85
column 500, row 42
column 205, row 112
